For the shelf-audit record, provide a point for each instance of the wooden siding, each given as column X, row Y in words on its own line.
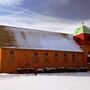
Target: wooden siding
column 24, row 58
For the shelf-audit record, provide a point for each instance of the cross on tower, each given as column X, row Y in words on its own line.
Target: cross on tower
column 82, row 23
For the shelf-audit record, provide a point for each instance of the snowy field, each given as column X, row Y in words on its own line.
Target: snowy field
column 56, row 81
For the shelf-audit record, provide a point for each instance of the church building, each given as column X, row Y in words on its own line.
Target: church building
column 24, row 50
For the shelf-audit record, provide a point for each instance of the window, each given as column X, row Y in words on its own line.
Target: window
column 88, row 60
column 73, row 58
column 88, row 52
column 56, row 57
column 46, row 57
column 35, row 57
column 11, row 56
column 77, row 39
column 65, row 57
column 88, row 38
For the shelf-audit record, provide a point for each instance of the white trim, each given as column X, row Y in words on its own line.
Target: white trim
column 88, row 55
column 88, row 63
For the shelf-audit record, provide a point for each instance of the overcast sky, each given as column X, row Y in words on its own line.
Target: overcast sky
column 52, row 15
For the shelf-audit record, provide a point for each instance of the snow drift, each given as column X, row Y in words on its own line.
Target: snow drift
column 60, row 81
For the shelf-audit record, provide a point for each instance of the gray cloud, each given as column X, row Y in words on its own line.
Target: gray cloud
column 55, row 15
column 69, row 9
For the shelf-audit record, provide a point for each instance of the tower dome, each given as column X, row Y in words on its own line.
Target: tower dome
column 82, row 35
column 82, row 29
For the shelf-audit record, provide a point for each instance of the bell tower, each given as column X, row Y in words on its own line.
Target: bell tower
column 82, row 38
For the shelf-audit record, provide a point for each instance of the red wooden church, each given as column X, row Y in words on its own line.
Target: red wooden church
column 26, row 50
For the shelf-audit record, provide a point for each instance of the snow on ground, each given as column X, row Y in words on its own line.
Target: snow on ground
column 57, row 81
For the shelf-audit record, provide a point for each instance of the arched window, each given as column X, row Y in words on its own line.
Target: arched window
column 35, row 57
column 11, row 56
column 73, row 58
column 88, row 58
column 46, row 57
column 65, row 57
column 56, row 57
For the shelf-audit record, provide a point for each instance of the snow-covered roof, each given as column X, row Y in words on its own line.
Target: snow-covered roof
column 36, row 39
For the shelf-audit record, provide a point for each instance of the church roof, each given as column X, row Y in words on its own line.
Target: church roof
column 16, row 37
column 82, row 29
